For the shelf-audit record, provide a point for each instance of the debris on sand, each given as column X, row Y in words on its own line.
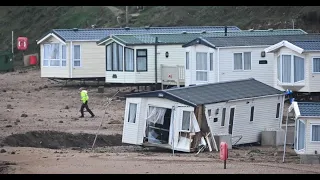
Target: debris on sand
column 15, row 123
column 24, row 115
column 67, row 107
column 3, row 151
column 40, row 119
column 254, row 151
column 76, row 148
column 60, row 121
column 12, row 97
column 9, row 106
column 4, row 90
column 17, row 120
column 13, row 152
column 114, row 122
column 75, row 119
column 45, row 86
column 8, row 126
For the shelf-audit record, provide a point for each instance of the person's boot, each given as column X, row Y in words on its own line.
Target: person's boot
column 92, row 116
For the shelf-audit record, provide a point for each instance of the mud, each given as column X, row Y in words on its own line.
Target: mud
column 59, row 140
column 4, row 166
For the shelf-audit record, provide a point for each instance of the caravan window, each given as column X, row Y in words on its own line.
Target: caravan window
column 132, row 113
column 201, row 66
column 186, row 120
column 114, row 57
column 223, row 118
column 142, row 60
column 278, row 110
column 242, row 61
column 315, row 132
column 252, row 113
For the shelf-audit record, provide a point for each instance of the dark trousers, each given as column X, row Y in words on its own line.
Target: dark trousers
column 85, row 105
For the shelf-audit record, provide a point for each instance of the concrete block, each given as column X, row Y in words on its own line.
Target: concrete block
column 101, row 89
column 272, row 137
column 309, row 159
column 223, row 138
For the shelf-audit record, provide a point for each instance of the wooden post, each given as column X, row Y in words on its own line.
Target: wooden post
column 199, row 115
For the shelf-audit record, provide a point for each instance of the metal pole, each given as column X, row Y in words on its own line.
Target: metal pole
column 94, row 141
column 12, row 43
column 174, row 109
column 126, row 15
column 156, row 63
column 292, row 23
column 285, row 137
column 225, row 164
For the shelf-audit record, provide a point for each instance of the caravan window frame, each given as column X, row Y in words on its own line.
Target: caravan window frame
column 128, row 116
column 190, row 114
column 311, row 133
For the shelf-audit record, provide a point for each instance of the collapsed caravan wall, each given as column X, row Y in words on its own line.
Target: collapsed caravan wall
column 204, row 129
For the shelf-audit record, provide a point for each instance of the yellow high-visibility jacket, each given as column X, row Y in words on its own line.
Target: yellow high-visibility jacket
column 84, row 96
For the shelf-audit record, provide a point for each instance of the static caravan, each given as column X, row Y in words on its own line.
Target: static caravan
column 187, row 118
column 139, row 59
column 73, row 53
column 307, row 129
column 282, row 61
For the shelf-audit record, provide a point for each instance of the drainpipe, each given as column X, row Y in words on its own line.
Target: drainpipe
column 218, row 66
column 156, row 63
column 71, row 59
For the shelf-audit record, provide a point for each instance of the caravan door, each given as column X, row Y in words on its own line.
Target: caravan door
column 181, row 123
column 131, row 122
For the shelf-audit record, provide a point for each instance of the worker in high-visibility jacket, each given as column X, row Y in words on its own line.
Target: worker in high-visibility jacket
column 84, row 100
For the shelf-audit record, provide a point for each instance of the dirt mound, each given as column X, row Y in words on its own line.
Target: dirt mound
column 58, row 140
column 4, row 166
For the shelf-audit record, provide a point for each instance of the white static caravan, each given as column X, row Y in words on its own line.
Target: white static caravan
column 179, row 118
column 137, row 62
column 307, row 127
column 73, row 53
column 231, row 58
column 297, row 65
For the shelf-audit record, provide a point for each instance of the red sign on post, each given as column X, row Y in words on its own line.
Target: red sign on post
column 22, row 43
column 224, row 153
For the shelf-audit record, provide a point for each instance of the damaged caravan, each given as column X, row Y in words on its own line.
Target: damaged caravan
column 186, row 119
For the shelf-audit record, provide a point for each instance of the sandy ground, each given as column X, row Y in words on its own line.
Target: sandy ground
column 45, row 107
column 44, row 103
